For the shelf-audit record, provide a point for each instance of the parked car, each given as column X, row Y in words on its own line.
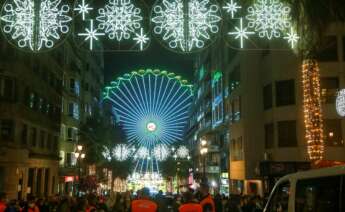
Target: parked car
column 320, row 190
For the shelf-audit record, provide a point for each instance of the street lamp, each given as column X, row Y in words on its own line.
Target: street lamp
column 203, row 152
column 79, row 155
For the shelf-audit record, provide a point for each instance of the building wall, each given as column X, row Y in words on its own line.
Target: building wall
column 30, row 97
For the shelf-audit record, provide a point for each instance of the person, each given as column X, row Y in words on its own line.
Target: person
column 32, row 207
column 12, row 206
column 206, row 200
column 144, row 204
column 2, row 202
column 92, row 200
column 218, row 202
column 188, row 204
column 160, row 200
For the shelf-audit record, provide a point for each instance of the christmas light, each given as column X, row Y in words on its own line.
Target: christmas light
column 83, row 9
column 269, row 18
column 182, row 152
column 340, row 103
column 312, row 109
column 292, row 37
column 241, row 33
column 151, row 105
column 186, row 29
column 161, row 152
column 122, row 152
column 119, row 19
column 142, row 153
column 91, row 34
column 106, row 153
column 231, row 7
column 141, row 39
column 35, row 26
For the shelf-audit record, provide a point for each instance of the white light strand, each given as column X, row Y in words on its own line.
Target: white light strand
column 269, row 18
column 91, row 34
column 119, row 19
column 121, row 152
column 182, row 152
column 141, row 39
column 241, row 33
column 161, row 152
column 83, row 9
column 232, row 8
column 292, row 38
column 36, row 26
column 202, row 20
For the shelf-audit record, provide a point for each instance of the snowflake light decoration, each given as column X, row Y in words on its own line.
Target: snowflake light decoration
column 161, row 152
column 269, row 18
column 232, row 7
column 119, row 19
column 340, row 103
column 186, row 29
column 91, row 34
column 182, row 152
column 241, row 33
column 106, row 153
column 141, row 39
column 83, row 9
column 142, row 153
column 35, row 25
column 121, row 152
column 292, row 37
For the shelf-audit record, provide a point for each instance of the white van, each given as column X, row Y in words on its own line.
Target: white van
column 320, row 190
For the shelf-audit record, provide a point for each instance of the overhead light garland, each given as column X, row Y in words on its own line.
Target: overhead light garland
column 312, row 109
column 186, row 25
column 35, row 25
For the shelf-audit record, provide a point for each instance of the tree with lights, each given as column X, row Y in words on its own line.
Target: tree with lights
column 312, row 19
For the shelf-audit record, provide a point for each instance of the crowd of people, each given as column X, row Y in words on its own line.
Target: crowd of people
column 142, row 201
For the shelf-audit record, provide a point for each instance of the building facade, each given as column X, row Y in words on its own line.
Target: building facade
column 262, row 110
column 83, row 79
column 30, row 105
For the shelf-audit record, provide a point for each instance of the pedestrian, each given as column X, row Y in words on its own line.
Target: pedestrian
column 2, row 201
column 12, row 206
column 218, row 202
column 144, row 204
column 206, row 200
column 188, row 204
column 32, row 207
column 160, row 200
column 92, row 203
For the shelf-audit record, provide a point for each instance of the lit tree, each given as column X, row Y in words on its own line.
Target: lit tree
column 312, row 18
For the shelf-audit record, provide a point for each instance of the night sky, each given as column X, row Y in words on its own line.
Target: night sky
column 155, row 56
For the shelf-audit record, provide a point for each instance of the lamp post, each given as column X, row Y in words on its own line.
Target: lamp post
column 80, row 155
column 203, row 152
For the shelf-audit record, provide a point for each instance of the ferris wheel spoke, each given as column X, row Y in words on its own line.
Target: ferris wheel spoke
column 136, row 104
column 167, row 98
column 128, row 114
column 163, row 97
column 172, row 106
column 134, row 107
column 141, row 94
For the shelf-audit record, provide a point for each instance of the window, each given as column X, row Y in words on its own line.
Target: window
column 72, row 134
column 285, row 93
column 237, row 149
column 33, row 137
column 332, row 132
column 74, row 86
column 56, row 143
column 267, row 97
column 329, row 50
column 318, row 194
column 6, row 89
column 73, row 110
column 42, row 139
column 287, row 134
column 279, row 202
column 344, row 48
column 7, row 130
column 269, row 136
column 70, row 159
column 24, row 136
column 234, row 79
column 329, row 87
